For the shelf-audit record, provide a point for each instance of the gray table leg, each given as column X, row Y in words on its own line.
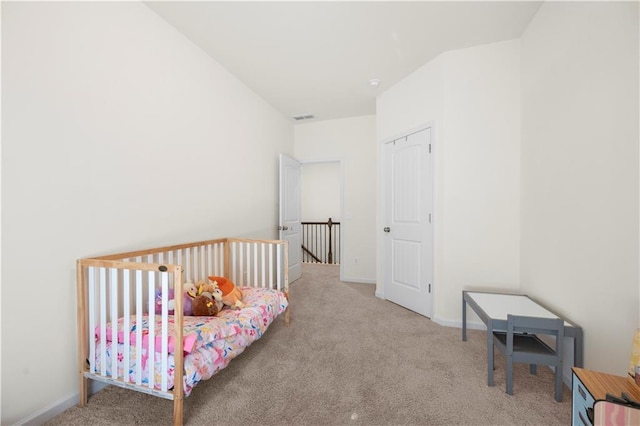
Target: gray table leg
column 578, row 346
column 490, row 353
column 464, row 319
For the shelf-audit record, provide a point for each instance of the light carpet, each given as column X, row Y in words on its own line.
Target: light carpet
column 347, row 358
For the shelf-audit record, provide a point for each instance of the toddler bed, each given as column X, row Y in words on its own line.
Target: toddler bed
column 124, row 342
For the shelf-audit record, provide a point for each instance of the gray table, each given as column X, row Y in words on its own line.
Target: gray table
column 492, row 308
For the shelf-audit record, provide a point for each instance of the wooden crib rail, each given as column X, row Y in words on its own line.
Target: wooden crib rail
column 234, row 258
column 110, row 290
column 258, row 263
column 164, row 249
column 199, row 259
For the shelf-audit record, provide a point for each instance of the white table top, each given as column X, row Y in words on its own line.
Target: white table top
column 497, row 306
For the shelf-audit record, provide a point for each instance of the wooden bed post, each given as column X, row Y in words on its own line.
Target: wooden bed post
column 82, row 333
column 178, row 385
column 227, row 259
column 287, row 318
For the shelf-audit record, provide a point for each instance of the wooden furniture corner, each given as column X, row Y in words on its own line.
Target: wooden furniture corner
column 590, row 386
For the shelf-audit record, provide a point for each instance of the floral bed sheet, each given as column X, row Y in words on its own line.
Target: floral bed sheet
column 210, row 343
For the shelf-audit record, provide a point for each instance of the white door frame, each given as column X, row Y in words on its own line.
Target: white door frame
column 383, row 194
column 343, row 225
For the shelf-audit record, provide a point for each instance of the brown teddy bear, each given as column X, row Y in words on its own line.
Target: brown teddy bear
column 204, row 305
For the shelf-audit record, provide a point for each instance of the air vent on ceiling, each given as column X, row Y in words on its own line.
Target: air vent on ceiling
column 303, row 117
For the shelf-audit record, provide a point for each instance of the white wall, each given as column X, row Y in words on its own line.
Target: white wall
column 580, row 171
column 480, row 168
column 472, row 98
column 353, row 142
column 321, row 191
column 117, row 134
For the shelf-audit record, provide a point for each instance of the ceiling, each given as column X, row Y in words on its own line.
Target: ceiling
column 317, row 57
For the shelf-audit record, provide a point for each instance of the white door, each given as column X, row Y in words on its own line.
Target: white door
column 408, row 231
column 290, row 210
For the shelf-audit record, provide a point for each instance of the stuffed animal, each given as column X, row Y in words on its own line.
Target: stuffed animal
column 217, row 297
column 190, row 292
column 190, row 289
column 205, row 298
column 206, row 287
column 212, row 291
column 171, row 303
column 204, row 305
column 231, row 295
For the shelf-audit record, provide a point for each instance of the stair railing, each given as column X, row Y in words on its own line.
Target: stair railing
column 321, row 242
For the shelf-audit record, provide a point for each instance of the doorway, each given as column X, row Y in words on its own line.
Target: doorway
column 322, row 196
column 407, row 242
column 321, row 212
column 311, row 188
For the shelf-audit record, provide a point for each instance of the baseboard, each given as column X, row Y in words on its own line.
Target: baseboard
column 358, row 280
column 458, row 324
column 379, row 294
column 58, row 407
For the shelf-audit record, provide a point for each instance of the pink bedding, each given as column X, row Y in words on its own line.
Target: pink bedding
column 209, row 343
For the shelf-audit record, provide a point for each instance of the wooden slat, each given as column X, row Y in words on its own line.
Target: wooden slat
column 203, row 262
column 271, row 265
column 215, row 267
column 151, row 345
column 263, row 261
column 138, row 265
column 91, row 276
column 83, row 334
column 248, row 240
column 139, row 312
column 186, row 262
column 178, row 388
column 103, row 321
column 127, row 324
column 113, row 304
column 240, row 279
column 120, row 256
column 229, row 261
column 255, row 278
column 279, row 268
column 285, row 266
column 165, row 328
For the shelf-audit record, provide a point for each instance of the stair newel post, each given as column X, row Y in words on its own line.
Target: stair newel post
column 330, row 254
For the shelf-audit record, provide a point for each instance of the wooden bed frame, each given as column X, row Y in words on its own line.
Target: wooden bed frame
column 124, row 284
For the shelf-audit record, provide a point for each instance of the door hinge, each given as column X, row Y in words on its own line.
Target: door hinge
column 429, row 148
column 429, row 287
column 429, row 217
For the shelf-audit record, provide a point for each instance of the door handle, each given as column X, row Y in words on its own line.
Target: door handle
column 282, row 228
column 387, row 229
